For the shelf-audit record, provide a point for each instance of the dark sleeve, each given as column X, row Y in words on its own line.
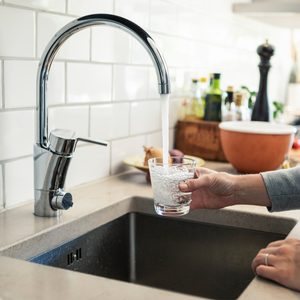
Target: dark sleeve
column 283, row 188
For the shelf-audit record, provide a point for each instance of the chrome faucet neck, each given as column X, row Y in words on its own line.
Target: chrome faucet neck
column 68, row 30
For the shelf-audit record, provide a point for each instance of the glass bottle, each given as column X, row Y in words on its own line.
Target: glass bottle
column 195, row 97
column 228, row 114
column 201, row 103
column 239, row 111
column 213, row 99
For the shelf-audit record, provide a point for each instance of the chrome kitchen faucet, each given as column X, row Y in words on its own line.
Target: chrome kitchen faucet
column 52, row 155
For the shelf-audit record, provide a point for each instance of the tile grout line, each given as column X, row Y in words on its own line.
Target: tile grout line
column 70, row 104
column 18, row 109
column 79, row 61
column 8, row 160
column 28, row 8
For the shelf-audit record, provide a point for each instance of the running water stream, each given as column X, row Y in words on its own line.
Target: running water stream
column 165, row 127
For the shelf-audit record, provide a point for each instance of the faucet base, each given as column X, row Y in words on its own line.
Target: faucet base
column 42, row 206
column 55, row 215
column 50, row 171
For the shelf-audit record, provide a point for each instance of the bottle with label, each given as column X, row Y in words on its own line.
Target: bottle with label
column 195, row 97
column 213, row 101
column 228, row 113
column 239, row 108
column 201, row 104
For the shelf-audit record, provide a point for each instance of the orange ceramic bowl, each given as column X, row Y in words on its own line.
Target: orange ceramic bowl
column 253, row 147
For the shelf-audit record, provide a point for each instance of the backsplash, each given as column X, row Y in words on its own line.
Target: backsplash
column 102, row 83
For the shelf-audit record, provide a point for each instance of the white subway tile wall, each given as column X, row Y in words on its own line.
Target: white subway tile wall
column 102, row 83
column 88, row 83
column 163, row 17
column 53, row 5
column 20, row 83
column 110, row 121
column 122, row 148
column 56, row 84
column 76, row 47
column 145, row 117
column 18, row 181
column 17, row 32
column 89, row 163
column 154, row 139
column 86, row 7
column 74, row 118
column 130, row 83
column 107, row 43
column 138, row 54
column 135, row 10
column 152, row 84
column 16, row 134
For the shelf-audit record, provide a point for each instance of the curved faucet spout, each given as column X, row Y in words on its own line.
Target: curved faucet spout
column 97, row 19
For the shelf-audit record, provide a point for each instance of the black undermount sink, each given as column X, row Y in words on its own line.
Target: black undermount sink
column 182, row 255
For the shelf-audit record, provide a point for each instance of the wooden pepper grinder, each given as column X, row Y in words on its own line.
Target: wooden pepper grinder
column 261, row 107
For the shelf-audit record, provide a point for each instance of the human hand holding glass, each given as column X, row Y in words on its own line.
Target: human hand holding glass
column 215, row 190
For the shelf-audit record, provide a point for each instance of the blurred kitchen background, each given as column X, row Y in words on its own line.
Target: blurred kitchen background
column 102, row 83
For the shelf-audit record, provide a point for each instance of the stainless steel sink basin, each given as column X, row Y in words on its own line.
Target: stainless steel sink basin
column 190, row 255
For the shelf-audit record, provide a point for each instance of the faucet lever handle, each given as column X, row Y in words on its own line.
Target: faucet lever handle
column 98, row 142
column 64, row 141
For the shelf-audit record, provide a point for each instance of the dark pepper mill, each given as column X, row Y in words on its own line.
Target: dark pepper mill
column 261, row 107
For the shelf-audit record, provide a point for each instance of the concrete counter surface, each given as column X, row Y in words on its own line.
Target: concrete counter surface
column 94, row 202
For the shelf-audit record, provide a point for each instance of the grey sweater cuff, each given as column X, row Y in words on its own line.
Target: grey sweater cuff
column 283, row 188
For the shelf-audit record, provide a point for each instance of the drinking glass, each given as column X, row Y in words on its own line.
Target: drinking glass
column 168, row 199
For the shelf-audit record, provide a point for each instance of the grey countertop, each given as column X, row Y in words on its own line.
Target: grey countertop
column 22, row 234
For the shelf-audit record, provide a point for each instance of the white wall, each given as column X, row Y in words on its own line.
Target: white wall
column 102, row 83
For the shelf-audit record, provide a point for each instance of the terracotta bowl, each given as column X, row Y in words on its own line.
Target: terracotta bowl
column 253, row 147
